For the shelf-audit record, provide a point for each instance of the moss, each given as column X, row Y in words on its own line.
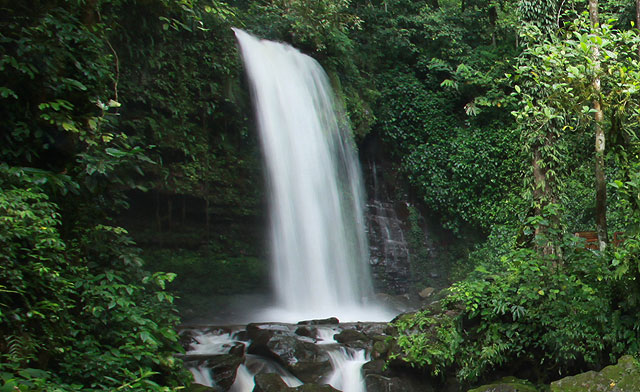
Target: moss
column 507, row 384
column 623, row 377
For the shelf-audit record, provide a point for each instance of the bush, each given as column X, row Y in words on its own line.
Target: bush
column 78, row 314
column 527, row 311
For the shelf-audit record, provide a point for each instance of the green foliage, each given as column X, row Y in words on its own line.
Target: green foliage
column 554, row 85
column 428, row 341
column 195, row 114
column 523, row 311
column 77, row 312
column 81, row 310
column 439, row 105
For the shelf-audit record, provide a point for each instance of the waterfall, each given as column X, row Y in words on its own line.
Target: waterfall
column 347, row 370
column 319, row 246
column 389, row 250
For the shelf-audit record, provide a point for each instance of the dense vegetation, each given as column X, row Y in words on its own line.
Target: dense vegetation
column 134, row 113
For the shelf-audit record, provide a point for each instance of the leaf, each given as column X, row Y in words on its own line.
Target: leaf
column 7, row 92
column 69, row 125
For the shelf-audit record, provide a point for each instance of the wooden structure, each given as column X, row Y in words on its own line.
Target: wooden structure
column 592, row 238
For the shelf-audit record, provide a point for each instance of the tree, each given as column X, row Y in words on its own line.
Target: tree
column 600, row 181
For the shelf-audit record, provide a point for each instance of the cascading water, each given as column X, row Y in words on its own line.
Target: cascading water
column 320, row 263
column 347, row 370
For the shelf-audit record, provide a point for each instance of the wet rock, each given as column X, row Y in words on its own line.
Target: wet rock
column 237, row 349
column 223, row 367
column 306, row 331
column 350, row 336
column 314, row 388
column 327, row 321
column 622, row 377
column 507, row 384
column 199, row 388
column 380, row 379
column 298, row 354
column 269, row 382
column 380, row 349
column 400, row 303
column 373, row 329
column 187, row 337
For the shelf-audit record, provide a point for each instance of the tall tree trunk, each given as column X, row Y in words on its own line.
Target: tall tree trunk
column 543, row 195
column 493, row 18
column 601, row 185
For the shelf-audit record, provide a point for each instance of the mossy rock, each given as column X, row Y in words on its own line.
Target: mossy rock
column 199, row 388
column 507, row 384
column 623, row 377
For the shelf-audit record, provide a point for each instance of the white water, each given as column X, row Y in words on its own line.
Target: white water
column 212, row 344
column 347, row 370
column 320, row 261
column 245, row 381
column 202, row 376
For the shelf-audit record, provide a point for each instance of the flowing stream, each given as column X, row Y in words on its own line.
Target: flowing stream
column 319, row 246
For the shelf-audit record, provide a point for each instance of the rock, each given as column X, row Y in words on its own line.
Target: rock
column 426, row 292
column 199, row 388
column 306, row 331
column 379, row 379
column 623, row 377
column 314, row 388
column 380, row 349
column 400, row 303
column 327, row 321
column 298, row 354
column 350, row 336
column 223, row 367
column 237, row 349
column 269, row 382
column 507, row 384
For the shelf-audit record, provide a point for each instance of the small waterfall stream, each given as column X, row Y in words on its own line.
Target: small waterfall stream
column 347, row 369
column 388, row 248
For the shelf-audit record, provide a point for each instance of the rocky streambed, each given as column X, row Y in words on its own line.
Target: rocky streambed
column 308, row 356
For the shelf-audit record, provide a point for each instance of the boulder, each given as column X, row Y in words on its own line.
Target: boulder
column 298, row 354
column 223, row 367
column 426, row 293
column 327, row 321
column 269, row 382
column 350, row 336
column 507, row 384
column 380, row 349
column 314, row 388
column 378, row 378
column 306, row 331
column 199, row 388
column 622, row 377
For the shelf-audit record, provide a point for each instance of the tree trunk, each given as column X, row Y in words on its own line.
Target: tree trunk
column 493, row 18
column 601, row 185
column 543, row 195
